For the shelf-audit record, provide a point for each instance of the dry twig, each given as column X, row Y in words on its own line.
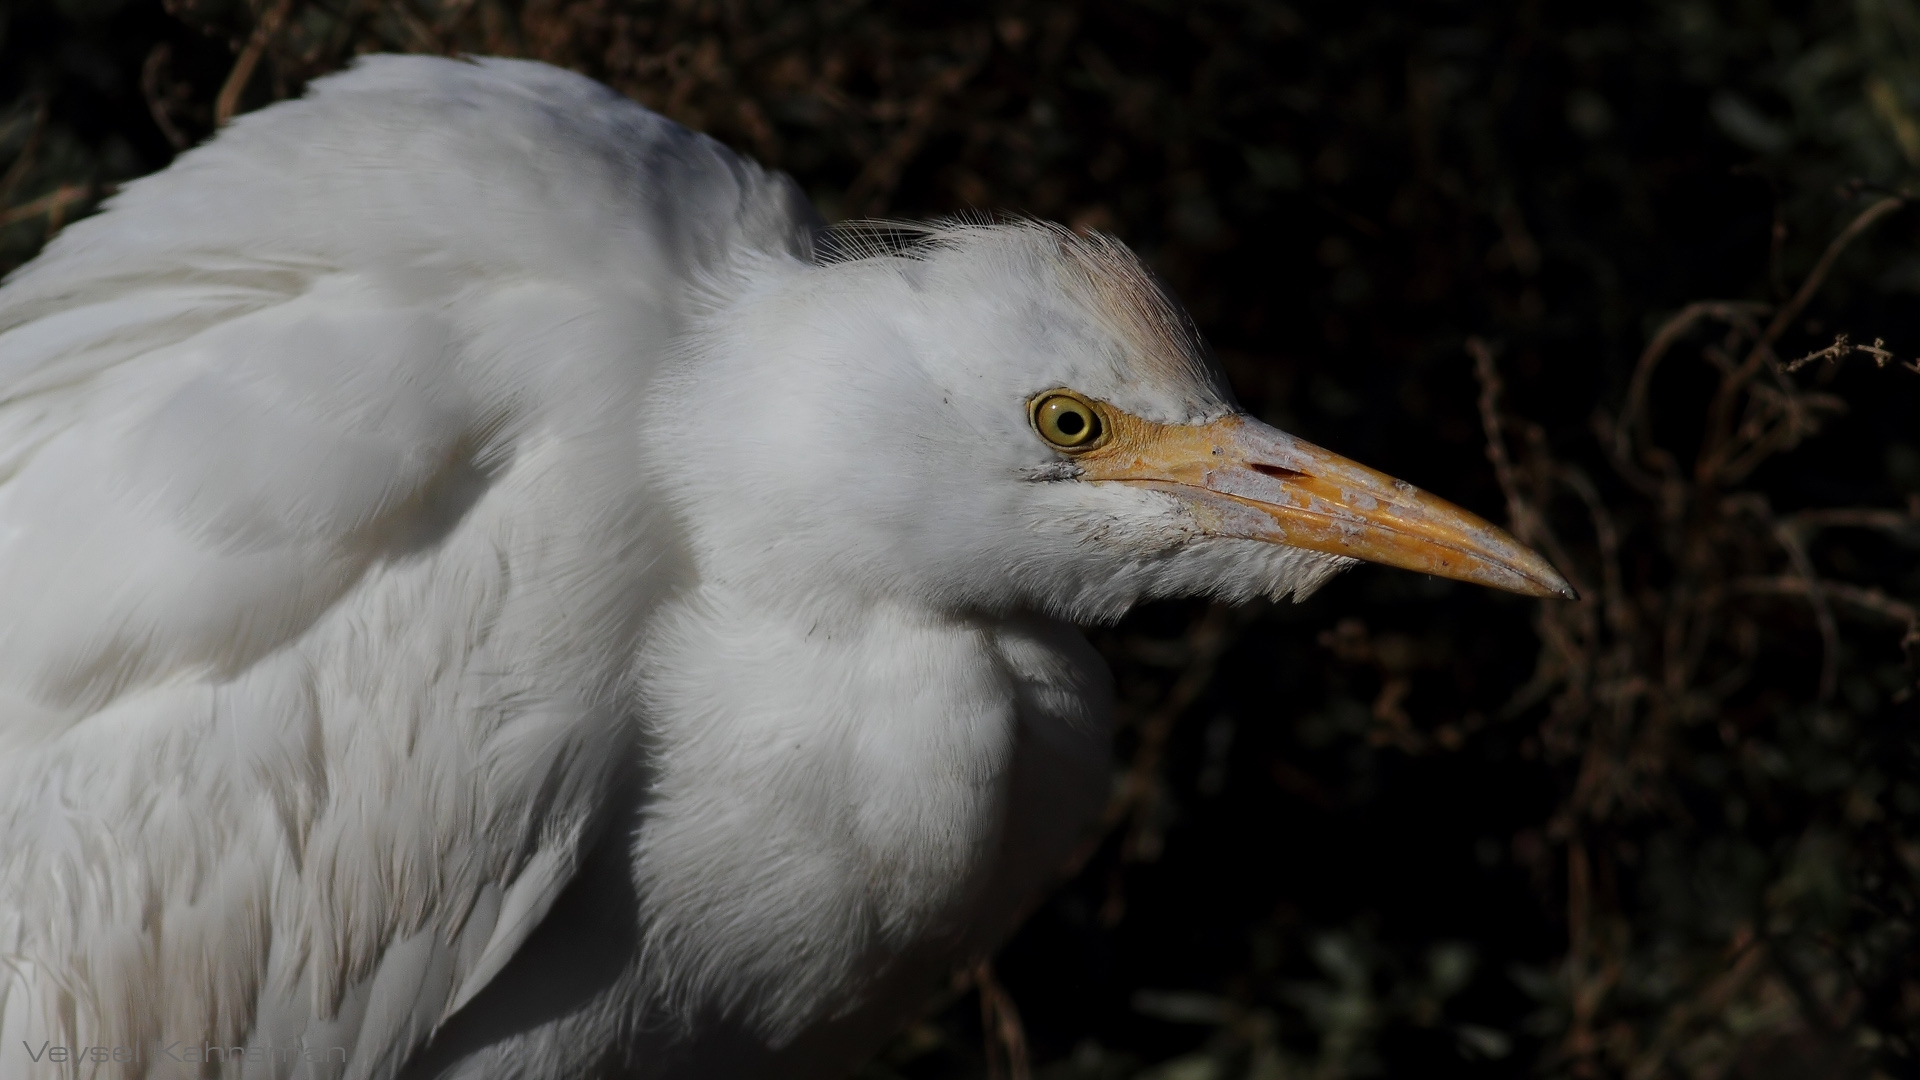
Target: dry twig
column 53, row 205
column 158, row 102
column 228, row 102
column 1006, row 1037
column 24, row 161
column 1619, row 696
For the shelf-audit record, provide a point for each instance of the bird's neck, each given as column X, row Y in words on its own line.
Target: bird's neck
column 829, row 796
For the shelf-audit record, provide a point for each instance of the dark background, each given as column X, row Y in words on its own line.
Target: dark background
column 1407, row 828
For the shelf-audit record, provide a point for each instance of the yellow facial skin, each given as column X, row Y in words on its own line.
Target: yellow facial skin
column 1243, row 479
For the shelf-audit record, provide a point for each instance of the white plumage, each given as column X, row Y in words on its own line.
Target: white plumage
column 482, row 595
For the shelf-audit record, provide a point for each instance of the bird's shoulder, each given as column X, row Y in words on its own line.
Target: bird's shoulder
column 488, row 167
column 315, row 343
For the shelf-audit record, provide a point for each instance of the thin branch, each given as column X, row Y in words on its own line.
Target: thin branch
column 228, row 102
column 1855, row 517
column 1872, row 601
column 1000, row 1026
column 1841, row 349
column 1490, row 387
column 29, row 152
column 156, row 101
column 53, row 205
column 1607, row 536
column 1563, row 658
column 1798, row 422
column 1785, row 316
column 1816, row 594
column 1633, row 413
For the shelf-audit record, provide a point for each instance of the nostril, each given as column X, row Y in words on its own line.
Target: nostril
column 1275, row 471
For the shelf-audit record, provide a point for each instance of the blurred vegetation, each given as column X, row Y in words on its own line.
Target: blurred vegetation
column 1558, row 262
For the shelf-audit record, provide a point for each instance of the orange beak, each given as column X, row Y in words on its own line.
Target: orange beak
column 1244, row 479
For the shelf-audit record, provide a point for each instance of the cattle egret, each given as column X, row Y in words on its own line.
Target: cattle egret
column 491, row 587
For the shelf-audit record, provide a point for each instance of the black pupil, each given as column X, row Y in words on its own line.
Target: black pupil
column 1070, row 423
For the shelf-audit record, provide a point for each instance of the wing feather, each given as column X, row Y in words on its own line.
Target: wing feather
column 322, row 555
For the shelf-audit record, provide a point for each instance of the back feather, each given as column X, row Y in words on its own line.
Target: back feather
column 322, row 553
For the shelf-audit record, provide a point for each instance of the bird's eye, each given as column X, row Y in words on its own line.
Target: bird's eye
column 1068, row 421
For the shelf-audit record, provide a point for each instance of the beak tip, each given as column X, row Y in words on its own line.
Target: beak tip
column 1539, row 587
column 1550, row 585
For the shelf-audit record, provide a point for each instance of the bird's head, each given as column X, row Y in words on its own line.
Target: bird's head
column 1007, row 416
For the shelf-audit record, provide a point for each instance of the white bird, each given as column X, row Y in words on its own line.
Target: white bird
column 489, row 588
